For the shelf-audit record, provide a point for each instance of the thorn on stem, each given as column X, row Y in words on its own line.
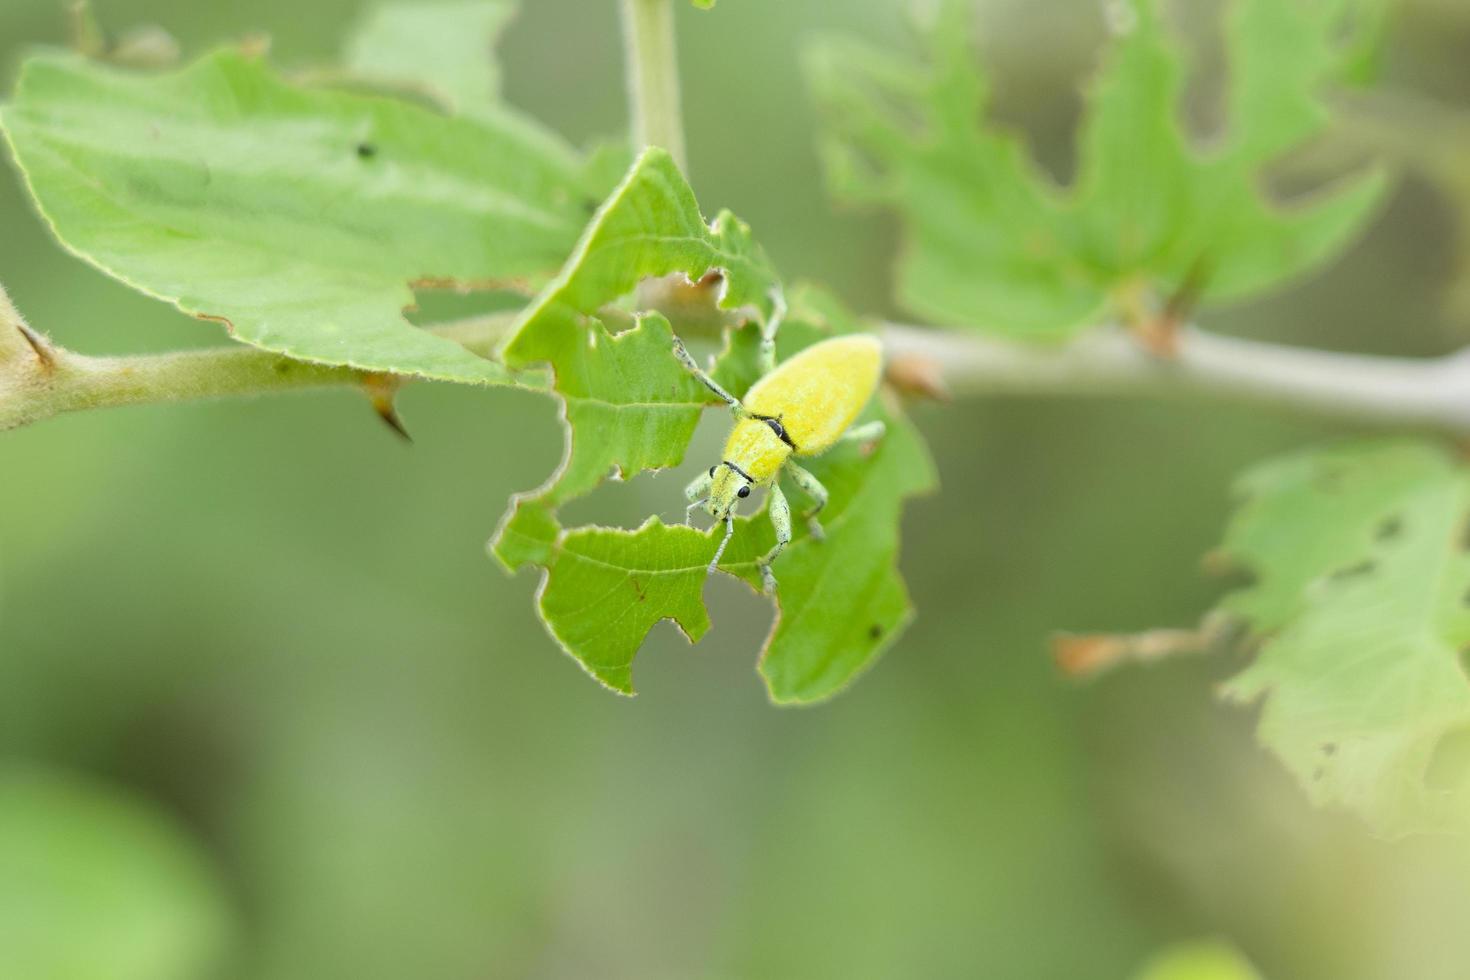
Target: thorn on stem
column 382, row 389
column 42, row 348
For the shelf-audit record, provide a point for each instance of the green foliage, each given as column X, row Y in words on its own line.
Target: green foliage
column 840, row 601
column 1199, row 961
column 96, row 886
column 630, row 407
column 442, row 47
column 992, row 243
column 1361, row 605
column 299, row 216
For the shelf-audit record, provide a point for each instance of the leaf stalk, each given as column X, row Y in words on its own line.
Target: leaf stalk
column 653, row 77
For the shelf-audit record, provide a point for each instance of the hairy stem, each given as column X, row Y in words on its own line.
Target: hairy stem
column 1419, row 393
column 33, row 388
column 653, row 76
column 38, row 380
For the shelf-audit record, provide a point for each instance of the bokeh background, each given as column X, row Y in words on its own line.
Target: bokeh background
column 267, row 710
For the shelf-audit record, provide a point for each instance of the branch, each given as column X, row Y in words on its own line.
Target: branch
column 653, row 76
column 38, row 379
column 33, row 387
column 1419, row 393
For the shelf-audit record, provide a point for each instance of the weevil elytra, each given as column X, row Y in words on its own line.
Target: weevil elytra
column 801, row 408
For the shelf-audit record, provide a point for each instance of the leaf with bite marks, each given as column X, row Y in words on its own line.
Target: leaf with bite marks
column 840, row 601
column 993, row 244
column 1361, row 604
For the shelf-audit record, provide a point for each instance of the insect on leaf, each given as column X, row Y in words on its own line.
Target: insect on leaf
column 995, row 244
column 300, row 216
column 1361, row 605
column 629, row 406
column 840, row 601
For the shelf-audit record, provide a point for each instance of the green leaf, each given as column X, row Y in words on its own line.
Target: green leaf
column 840, row 601
column 993, row 243
column 299, row 216
column 630, row 407
column 1361, row 606
column 442, row 47
column 97, row 886
column 1199, row 961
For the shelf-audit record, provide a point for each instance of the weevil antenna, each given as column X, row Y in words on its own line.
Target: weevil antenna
column 729, row 530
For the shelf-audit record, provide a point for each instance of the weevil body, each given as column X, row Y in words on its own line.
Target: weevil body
column 801, row 408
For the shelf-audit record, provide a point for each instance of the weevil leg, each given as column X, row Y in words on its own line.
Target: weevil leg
column 867, row 432
column 702, row 376
column 698, row 487
column 714, row 562
column 767, row 360
column 813, row 488
column 780, row 512
column 696, row 493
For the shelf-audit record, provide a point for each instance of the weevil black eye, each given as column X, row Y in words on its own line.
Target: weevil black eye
column 712, row 471
column 743, row 491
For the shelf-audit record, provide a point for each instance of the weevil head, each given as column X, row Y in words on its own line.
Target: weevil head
column 730, row 486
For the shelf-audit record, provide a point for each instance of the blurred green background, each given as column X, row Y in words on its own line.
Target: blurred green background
column 268, row 711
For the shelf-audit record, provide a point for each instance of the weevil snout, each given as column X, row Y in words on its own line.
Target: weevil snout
column 727, row 486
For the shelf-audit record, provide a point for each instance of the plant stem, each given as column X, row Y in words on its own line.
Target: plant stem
column 1417, row 393
column 32, row 389
column 1432, row 394
column 653, row 76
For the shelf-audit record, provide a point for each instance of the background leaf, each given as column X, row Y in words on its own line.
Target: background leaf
column 1360, row 604
column 1199, row 961
column 993, row 244
column 97, row 886
column 300, row 216
column 443, row 47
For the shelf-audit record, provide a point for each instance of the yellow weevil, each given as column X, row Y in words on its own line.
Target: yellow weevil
column 802, row 408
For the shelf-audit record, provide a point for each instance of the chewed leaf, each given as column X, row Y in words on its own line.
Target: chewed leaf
column 1360, row 605
column 629, row 404
column 839, row 604
column 300, row 216
column 993, row 243
column 442, row 47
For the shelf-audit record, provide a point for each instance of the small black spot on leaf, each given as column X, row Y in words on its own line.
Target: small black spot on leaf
column 1353, row 571
column 875, row 631
column 1390, row 528
column 1329, row 749
column 366, row 151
